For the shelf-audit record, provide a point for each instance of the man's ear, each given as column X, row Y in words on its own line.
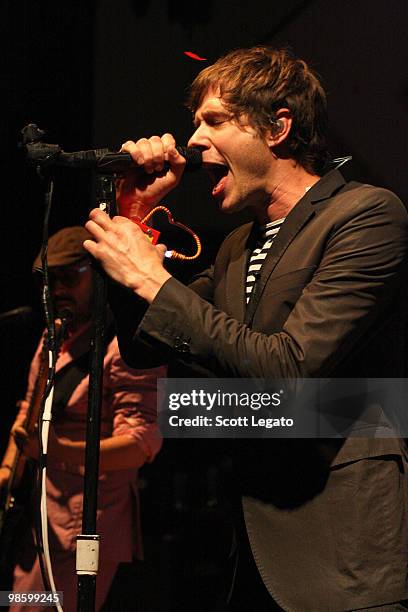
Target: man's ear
column 281, row 123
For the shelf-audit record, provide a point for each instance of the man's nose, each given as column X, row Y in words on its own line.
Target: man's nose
column 199, row 139
column 58, row 288
column 56, row 283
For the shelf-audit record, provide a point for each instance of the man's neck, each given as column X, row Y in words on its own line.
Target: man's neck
column 75, row 334
column 288, row 185
column 76, row 327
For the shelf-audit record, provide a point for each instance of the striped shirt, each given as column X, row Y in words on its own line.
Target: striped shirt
column 266, row 236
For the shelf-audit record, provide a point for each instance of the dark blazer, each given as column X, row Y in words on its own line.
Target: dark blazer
column 327, row 519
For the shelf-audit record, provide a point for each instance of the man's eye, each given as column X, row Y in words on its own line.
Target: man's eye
column 216, row 121
column 211, row 121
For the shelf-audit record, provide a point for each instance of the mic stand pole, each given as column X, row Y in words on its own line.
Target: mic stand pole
column 87, row 554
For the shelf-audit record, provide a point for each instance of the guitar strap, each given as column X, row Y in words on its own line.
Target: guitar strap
column 68, row 378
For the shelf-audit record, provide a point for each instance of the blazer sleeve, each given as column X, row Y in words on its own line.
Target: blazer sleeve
column 359, row 275
column 128, row 311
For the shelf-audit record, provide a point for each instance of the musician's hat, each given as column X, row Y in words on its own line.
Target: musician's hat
column 65, row 248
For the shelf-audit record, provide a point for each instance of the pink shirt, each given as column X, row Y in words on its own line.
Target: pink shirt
column 128, row 408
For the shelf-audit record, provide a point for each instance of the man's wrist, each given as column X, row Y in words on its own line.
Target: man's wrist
column 152, row 286
column 6, row 465
column 135, row 210
column 129, row 210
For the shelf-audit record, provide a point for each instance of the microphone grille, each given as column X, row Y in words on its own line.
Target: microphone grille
column 193, row 156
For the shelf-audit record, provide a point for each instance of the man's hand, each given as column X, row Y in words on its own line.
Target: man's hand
column 27, row 444
column 126, row 254
column 137, row 194
column 4, row 476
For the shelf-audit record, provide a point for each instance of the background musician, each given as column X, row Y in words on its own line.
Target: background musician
column 129, row 435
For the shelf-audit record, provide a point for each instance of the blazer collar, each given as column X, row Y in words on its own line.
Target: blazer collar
column 300, row 214
column 244, row 243
column 327, row 187
column 236, row 271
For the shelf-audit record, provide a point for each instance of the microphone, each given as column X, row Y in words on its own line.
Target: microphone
column 23, row 313
column 65, row 314
column 117, row 163
column 102, row 160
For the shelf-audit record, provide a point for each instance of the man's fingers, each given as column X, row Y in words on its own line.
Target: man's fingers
column 19, row 430
column 161, row 249
column 91, row 247
column 118, row 220
column 96, row 230
column 112, row 234
column 20, row 436
column 146, row 152
column 143, row 154
column 176, row 160
column 101, row 218
column 153, row 152
column 168, row 141
column 158, row 153
column 100, row 222
column 127, row 145
column 131, row 147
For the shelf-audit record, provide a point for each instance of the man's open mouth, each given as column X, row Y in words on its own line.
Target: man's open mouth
column 218, row 176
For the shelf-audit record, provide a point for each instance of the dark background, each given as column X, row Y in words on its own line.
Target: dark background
column 98, row 73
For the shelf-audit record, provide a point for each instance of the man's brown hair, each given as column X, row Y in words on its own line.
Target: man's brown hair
column 259, row 81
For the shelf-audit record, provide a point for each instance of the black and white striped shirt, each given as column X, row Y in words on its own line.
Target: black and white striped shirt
column 266, row 236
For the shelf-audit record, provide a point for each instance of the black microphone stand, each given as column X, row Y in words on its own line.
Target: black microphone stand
column 88, row 541
column 45, row 156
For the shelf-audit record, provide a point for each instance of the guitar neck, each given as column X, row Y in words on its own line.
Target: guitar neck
column 34, row 409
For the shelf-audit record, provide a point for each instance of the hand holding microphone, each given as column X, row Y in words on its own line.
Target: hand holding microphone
column 150, row 167
column 161, row 168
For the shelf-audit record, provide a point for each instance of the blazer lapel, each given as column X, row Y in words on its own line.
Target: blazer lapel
column 300, row 214
column 237, row 270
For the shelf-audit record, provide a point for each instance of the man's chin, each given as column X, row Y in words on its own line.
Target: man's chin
column 224, row 204
column 229, row 206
